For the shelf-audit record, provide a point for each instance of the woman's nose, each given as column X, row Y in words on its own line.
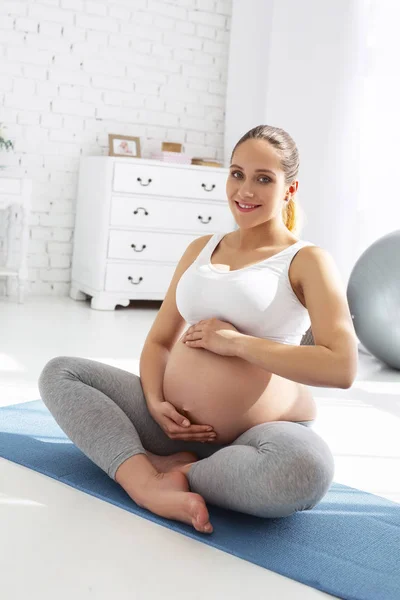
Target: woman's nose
column 245, row 192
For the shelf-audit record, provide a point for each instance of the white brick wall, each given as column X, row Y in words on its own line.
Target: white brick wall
column 73, row 71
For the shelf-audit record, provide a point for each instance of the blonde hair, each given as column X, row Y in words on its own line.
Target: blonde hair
column 289, row 158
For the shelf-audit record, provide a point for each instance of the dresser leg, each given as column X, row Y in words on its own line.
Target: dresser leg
column 21, row 287
column 9, row 286
column 104, row 301
column 76, row 294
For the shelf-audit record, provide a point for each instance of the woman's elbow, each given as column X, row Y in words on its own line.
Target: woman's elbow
column 348, row 373
column 346, row 383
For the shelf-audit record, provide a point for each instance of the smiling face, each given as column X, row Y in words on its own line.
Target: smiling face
column 256, row 178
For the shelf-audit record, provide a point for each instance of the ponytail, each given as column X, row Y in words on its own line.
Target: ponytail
column 289, row 215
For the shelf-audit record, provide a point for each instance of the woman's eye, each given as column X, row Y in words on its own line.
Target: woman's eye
column 239, row 173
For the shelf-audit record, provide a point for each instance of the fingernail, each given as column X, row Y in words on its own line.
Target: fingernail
column 186, row 423
column 209, row 428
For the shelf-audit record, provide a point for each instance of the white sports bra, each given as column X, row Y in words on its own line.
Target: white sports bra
column 258, row 300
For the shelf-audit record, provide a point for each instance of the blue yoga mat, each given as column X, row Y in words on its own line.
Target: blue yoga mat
column 347, row 546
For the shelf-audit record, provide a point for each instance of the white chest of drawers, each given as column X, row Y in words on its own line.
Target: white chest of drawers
column 134, row 220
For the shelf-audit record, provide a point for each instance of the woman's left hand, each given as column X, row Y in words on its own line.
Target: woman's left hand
column 213, row 335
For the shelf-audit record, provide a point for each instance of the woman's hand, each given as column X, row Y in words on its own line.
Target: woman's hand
column 178, row 427
column 214, row 335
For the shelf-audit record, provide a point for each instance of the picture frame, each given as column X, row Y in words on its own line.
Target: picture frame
column 123, row 145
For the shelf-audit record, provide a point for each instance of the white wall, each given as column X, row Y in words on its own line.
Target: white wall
column 379, row 200
column 299, row 66
column 249, row 48
column 72, row 71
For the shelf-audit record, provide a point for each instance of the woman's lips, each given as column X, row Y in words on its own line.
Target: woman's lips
column 246, row 209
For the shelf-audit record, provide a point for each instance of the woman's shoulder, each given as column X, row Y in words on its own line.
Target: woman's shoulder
column 311, row 258
column 201, row 242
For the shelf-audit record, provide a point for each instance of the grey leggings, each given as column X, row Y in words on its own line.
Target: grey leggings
column 272, row 470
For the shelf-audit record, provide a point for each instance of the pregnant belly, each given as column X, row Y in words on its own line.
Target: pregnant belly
column 229, row 393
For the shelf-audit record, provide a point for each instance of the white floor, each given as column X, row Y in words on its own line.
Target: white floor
column 58, row 542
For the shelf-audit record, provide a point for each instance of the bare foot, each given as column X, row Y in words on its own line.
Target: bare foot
column 174, row 462
column 167, row 495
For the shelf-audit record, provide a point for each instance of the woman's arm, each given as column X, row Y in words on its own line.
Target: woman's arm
column 311, row 365
column 152, row 365
column 166, row 329
column 332, row 362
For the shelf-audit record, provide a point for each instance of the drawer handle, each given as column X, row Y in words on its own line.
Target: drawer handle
column 135, row 282
column 204, row 222
column 134, row 247
column 144, row 184
column 135, row 212
column 204, row 186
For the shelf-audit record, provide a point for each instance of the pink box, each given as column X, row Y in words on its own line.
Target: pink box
column 173, row 157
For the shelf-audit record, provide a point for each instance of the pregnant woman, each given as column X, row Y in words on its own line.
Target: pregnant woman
column 221, row 412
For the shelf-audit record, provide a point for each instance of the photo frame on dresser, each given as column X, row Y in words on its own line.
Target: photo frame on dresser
column 123, row 145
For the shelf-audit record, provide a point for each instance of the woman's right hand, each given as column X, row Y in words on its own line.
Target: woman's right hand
column 178, row 427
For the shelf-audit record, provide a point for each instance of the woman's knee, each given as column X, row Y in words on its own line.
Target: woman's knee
column 52, row 373
column 304, row 490
column 54, row 366
column 302, row 475
column 315, row 473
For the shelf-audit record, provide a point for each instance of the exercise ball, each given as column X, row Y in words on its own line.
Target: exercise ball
column 373, row 294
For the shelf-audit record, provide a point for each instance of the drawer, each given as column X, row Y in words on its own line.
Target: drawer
column 135, row 278
column 153, row 213
column 170, row 181
column 10, row 186
column 146, row 245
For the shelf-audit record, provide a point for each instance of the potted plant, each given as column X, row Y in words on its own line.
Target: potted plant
column 4, row 143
